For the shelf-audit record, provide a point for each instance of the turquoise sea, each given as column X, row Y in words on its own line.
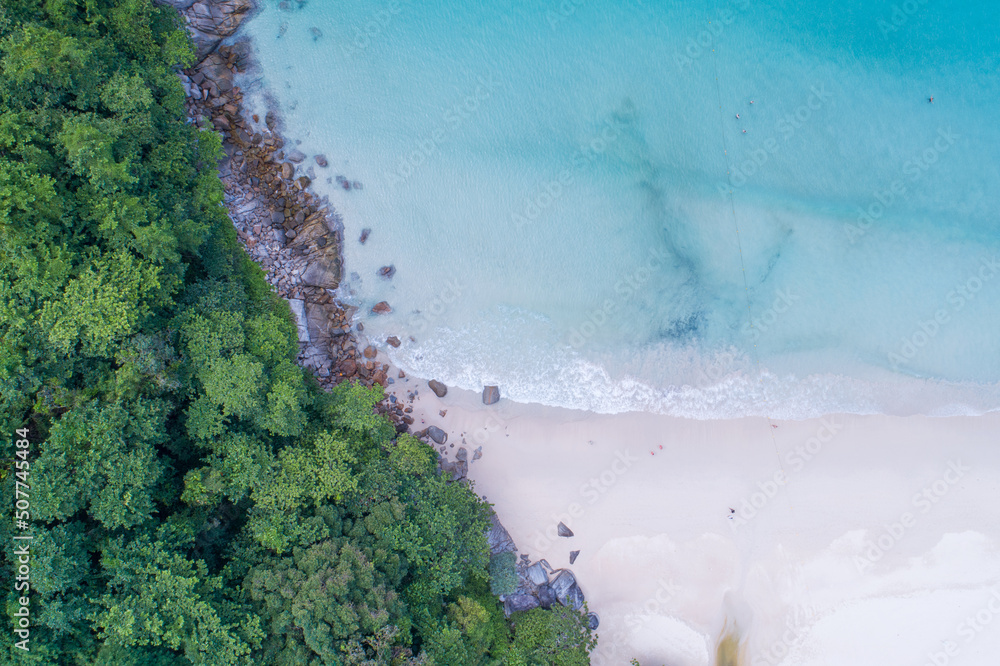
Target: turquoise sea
column 707, row 208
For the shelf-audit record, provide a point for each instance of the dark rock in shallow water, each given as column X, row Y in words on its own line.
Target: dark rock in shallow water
column 387, row 271
column 491, row 394
column 296, row 156
column 364, row 235
column 564, row 531
column 546, row 596
column 438, row 435
column 382, row 307
column 516, row 603
column 573, row 555
column 593, row 621
column 440, row 390
column 393, row 341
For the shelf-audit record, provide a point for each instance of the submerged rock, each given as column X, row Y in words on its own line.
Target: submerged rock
column 393, row 341
column 382, row 307
column 321, row 160
column 387, row 271
column 440, row 390
column 364, row 235
column 491, row 394
column 296, row 156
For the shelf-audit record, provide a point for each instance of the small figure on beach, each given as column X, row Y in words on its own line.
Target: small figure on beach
column 661, row 446
column 773, row 425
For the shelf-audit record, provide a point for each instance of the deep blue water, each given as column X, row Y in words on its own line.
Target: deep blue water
column 576, row 213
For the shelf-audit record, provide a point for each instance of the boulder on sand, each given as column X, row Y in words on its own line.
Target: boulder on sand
column 573, row 554
column 546, row 596
column 440, row 390
column 393, row 341
column 438, row 435
column 491, row 394
column 564, row 531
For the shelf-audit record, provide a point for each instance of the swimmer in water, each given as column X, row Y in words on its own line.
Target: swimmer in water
column 751, row 101
column 744, row 131
column 931, row 100
column 737, row 116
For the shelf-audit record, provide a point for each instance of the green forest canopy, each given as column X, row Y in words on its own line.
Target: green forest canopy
column 196, row 498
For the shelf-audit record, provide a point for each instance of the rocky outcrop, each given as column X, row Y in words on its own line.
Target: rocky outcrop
column 210, row 21
column 440, row 390
column 296, row 238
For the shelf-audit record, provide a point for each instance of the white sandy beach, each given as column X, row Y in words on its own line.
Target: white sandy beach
column 861, row 541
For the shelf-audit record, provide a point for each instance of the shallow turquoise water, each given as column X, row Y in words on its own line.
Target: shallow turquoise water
column 576, row 214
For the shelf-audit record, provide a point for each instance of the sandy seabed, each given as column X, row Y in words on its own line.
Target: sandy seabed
column 847, row 540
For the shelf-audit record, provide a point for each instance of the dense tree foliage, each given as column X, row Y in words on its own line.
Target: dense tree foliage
column 196, row 497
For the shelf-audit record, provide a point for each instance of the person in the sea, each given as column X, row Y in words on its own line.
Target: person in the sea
column 930, row 99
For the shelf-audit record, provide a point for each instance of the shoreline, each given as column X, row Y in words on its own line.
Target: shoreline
column 660, row 560
column 296, row 238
